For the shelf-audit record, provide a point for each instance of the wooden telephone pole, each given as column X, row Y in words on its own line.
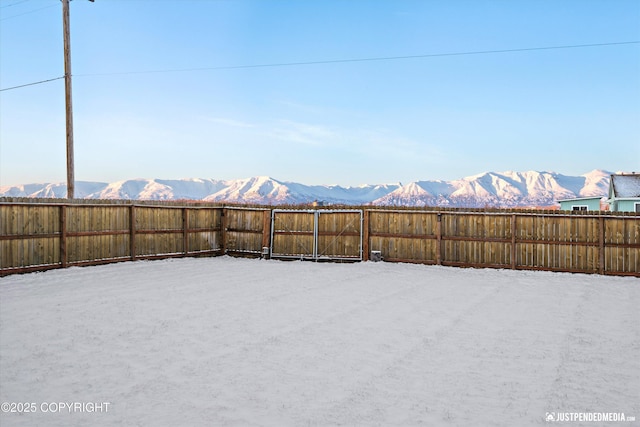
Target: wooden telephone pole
column 67, row 97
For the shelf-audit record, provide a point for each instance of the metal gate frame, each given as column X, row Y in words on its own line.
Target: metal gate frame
column 315, row 256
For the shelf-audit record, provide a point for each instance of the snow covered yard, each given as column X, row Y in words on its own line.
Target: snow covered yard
column 237, row 342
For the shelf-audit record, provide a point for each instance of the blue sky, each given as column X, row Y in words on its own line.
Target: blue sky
column 156, row 94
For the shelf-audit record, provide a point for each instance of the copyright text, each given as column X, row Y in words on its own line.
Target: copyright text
column 55, row 407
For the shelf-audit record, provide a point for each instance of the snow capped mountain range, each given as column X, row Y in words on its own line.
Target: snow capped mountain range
column 505, row 189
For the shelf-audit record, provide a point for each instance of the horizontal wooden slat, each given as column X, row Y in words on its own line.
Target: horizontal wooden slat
column 38, row 235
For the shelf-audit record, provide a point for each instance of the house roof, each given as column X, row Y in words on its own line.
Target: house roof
column 580, row 199
column 624, row 186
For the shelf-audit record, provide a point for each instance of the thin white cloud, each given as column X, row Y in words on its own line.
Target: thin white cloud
column 231, row 122
column 302, row 133
column 387, row 144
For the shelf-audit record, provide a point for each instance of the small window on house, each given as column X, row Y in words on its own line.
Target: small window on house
column 637, row 207
column 579, row 208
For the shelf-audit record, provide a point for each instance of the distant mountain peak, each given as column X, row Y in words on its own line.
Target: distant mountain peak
column 499, row 189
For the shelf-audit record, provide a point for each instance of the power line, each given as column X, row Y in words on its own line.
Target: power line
column 383, row 58
column 26, row 13
column 337, row 61
column 13, row 4
column 31, row 84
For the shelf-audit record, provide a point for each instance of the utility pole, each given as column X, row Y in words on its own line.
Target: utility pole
column 67, row 97
column 68, row 103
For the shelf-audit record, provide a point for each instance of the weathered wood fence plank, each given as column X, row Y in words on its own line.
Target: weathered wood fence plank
column 36, row 235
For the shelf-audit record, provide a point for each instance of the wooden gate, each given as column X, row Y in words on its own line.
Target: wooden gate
column 316, row 234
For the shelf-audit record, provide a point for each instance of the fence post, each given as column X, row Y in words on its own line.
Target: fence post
column 63, row 236
column 185, row 230
column 132, row 231
column 223, row 236
column 601, row 245
column 513, row 241
column 365, row 235
column 439, row 239
column 266, row 228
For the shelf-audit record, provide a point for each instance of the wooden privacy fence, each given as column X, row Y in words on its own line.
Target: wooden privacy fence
column 39, row 235
column 604, row 242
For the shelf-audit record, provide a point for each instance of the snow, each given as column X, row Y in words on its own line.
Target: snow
column 596, row 184
column 626, row 185
column 225, row 341
column 506, row 189
column 261, row 189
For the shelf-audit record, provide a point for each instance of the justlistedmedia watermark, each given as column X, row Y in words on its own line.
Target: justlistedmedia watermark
column 55, row 407
column 596, row 417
